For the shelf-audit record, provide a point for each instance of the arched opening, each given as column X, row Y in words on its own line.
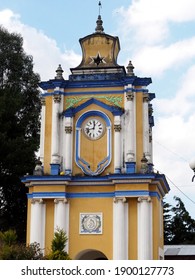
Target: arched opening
column 91, row 254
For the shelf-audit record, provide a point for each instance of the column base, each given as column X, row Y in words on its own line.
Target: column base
column 117, row 171
column 54, row 169
column 130, row 167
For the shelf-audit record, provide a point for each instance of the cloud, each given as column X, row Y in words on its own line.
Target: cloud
column 154, row 60
column 149, row 19
column 46, row 54
column 183, row 102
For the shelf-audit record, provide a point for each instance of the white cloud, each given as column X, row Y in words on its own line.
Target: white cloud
column 46, row 54
column 149, row 19
column 183, row 102
column 154, row 60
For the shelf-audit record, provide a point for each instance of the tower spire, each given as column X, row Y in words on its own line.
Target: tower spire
column 100, row 6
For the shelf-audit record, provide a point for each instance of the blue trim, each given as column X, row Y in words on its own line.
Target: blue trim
column 95, row 80
column 92, row 194
column 105, row 179
column 116, row 111
column 93, row 113
column 84, row 165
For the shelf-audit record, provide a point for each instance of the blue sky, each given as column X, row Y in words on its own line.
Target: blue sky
column 158, row 36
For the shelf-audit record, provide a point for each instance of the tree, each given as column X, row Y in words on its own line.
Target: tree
column 167, row 222
column 58, row 246
column 19, row 129
column 180, row 227
column 11, row 250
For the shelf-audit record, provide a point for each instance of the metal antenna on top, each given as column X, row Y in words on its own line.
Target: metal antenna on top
column 100, row 6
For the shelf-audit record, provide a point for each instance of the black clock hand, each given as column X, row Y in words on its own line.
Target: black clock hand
column 93, row 124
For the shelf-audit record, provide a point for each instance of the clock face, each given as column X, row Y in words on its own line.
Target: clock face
column 93, row 129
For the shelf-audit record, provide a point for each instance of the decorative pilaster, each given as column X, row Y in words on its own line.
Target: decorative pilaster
column 68, row 145
column 145, row 229
column 42, row 134
column 117, row 144
column 120, row 222
column 37, row 226
column 55, row 158
column 130, row 131
column 61, row 216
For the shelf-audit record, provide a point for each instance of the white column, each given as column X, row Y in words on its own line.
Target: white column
column 146, row 145
column 55, row 159
column 120, row 243
column 37, row 225
column 145, row 229
column 68, row 145
column 42, row 134
column 117, row 144
column 61, row 216
column 130, row 128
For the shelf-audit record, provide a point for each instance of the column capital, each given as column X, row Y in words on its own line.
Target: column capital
column 63, row 200
column 144, row 198
column 117, row 127
column 146, row 99
column 43, row 103
column 130, row 96
column 57, row 98
column 122, row 199
column 37, row 200
column 68, row 129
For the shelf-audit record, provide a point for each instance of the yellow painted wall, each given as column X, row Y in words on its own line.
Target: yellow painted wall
column 97, row 148
column 49, row 224
column 133, row 232
column 81, row 242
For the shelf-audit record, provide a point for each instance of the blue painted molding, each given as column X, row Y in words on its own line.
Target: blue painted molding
column 136, row 193
column 116, row 111
column 95, row 80
column 81, row 162
column 97, row 180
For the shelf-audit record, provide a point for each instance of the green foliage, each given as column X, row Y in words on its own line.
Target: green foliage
column 11, row 250
column 19, row 128
column 8, row 237
column 58, row 246
column 179, row 227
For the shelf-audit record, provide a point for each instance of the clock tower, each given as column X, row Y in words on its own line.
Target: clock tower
column 95, row 178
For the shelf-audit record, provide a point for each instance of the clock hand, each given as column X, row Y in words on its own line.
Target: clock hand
column 94, row 124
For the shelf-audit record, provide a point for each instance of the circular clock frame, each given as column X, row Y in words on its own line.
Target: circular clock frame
column 93, row 128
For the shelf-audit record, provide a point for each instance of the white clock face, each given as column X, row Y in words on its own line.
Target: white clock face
column 93, row 129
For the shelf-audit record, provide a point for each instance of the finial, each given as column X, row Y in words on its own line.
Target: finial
column 144, row 165
column 130, row 68
column 100, row 6
column 59, row 72
column 99, row 27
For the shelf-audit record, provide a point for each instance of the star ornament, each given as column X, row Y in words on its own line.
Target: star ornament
column 97, row 59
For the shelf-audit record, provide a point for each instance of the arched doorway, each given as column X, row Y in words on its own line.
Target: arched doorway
column 91, row 254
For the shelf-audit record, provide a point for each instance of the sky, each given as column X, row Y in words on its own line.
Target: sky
column 158, row 36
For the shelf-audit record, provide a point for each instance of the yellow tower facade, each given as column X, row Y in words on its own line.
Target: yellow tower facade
column 95, row 178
